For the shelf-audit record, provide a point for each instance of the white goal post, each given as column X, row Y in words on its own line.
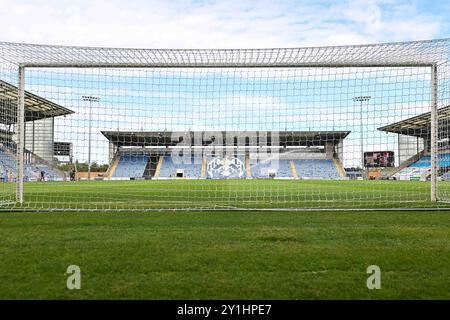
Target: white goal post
column 345, row 127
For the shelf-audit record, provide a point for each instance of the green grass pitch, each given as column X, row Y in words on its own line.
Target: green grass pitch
column 225, row 194
column 225, row 254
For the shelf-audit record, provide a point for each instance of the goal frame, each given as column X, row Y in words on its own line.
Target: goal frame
column 21, row 102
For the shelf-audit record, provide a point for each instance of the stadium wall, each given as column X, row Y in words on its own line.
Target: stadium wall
column 39, row 137
column 409, row 146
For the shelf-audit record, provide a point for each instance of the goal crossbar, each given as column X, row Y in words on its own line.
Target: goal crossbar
column 195, row 65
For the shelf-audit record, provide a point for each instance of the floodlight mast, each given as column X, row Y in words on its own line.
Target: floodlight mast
column 361, row 99
column 90, row 99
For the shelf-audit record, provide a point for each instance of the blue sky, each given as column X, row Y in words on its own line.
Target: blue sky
column 221, row 24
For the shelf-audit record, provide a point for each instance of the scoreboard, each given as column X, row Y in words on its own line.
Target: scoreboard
column 377, row 159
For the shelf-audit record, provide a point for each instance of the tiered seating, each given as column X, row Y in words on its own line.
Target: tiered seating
column 416, row 170
column 190, row 170
column 316, row 169
column 31, row 171
column 425, row 161
column 6, row 160
column 131, row 166
column 284, row 169
column 422, row 167
column 7, row 166
column 262, row 168
column 49, row 174
column 444, row 160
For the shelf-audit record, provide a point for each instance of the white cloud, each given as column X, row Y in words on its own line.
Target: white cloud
column 216, row 24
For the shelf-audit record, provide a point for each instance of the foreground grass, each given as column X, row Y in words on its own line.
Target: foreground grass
column 231, row 255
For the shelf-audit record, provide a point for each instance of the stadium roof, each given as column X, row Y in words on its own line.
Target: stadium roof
column 413, row 53
column 418, row 126
column 36, row 107
column 166, row 138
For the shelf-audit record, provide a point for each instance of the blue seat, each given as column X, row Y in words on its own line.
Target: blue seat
column 425, row 161
column 131, row 166
column 192, row 168
column 317, row 169
column 263, row 168
column 8, row 166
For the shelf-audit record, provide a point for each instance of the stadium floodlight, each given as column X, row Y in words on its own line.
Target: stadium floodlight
column 219, row 129
column 362, row 99
column 90, row 99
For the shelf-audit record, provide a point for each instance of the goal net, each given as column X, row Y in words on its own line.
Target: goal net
column 347, row 127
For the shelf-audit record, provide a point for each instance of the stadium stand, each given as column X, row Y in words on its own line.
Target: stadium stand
column 169, row 168
column 50, row 174
column 131, row 166
column 263, row 168
column 6, row 160
column 8, row 169
column 317, row 169
column 422, row 168
column 284, row 169
column 425, row 161
column 318, row 153
column 260, row 168
column 150, row 169
column 414, row 145
column 7, row 166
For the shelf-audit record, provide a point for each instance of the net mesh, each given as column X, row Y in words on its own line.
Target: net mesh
column 296, row 128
